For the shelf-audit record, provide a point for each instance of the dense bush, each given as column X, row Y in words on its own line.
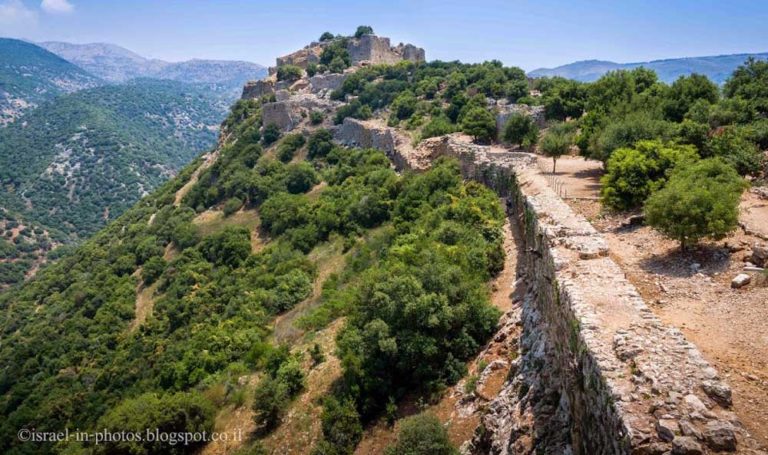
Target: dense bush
column 479, row 123
column 632, row 174
column 176, row 413
column 699, row 201
column 271, row 134
column 289, row 73
column 289, row 145
column 363, row 30
column 520, row 130
column 422, row 434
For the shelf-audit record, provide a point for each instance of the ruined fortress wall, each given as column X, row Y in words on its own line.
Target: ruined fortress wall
column 615, row 378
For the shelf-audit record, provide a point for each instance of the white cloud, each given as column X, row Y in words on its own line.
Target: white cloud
column 14, row 16
column 57, row 6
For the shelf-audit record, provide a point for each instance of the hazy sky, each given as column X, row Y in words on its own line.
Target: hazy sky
column 529, row 34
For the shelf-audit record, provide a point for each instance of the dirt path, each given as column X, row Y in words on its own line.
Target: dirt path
column 578, row 178
column 460, row 408
column 692, row 292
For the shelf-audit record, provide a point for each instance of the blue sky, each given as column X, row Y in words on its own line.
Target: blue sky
column 529, row 34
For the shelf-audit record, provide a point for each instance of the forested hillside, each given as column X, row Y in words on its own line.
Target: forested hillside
column 78, row 161
column 162, row 308
column 30, row 75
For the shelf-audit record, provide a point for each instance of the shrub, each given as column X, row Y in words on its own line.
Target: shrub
column 316, row 117
column 232, row 205
column 326, row 36
column 479, row 123
column 291, row 376
column 300, row 178
column 288, row 147
column 176, row 413
column 270, row 400
column 342, row 430
column 632, row 174
column 627, row 131
column 289, row 73
column 320, row 144
column 363, row 30
column 316, row 354
column 437, row 126
column 228, row 247
column 698, row 201
column 404, row 105
column 733, row 146
column 422, row 434
column 152, row 269
column 354, row 109
column 521, row 130
column 271, row 134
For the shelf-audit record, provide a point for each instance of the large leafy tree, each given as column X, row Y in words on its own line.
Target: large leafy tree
column 479, row 123
column 634, row 173
column 700, row 201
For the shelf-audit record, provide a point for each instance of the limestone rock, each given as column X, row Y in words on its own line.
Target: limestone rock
column 720, row 436
column 257, row 89
column 718, row 391
column 760, row 254
column 666, row 429
column 740, row 280
column 686, row 446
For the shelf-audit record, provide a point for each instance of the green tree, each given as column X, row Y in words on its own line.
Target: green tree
column 171, row 413
column 556, row 142
column 686, row 91
column 271, row 134
column 152, row 269
column 750, row 83
column 289, row 73
column 300, row 178
column 479, row 123
column 422, row 434
column 326, row 36
column 231, row 206
column 342, row 430
column 270, row 400
column 632, row 174
column 363, row 30
column 733, row 145
column 437, row 126
column 699, row 201
column 521, row 130
column 320, row 143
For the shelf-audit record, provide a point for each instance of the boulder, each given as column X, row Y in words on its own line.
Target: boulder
column 720, row 436
column 760, row 254
column 740, row 280
column 686, row 446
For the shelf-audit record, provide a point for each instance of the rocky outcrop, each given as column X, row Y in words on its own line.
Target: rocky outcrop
column 257, row 89
column 326, row 82
column 291, row 111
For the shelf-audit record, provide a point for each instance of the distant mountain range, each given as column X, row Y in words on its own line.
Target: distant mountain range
column 30, row 75
column 117, row 64
column 86, row 133
column 716, row 67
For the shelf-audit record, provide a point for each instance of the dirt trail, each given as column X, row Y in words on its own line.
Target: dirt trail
column 459, row 408
column 692, row 292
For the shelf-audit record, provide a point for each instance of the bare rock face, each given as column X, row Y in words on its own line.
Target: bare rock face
column 291, row 111
column 257, row 89
column 326, row 82
column 303, row 57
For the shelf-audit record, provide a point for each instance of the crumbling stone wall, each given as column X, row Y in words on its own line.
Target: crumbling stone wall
column 598, row 372
column 377, row 50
